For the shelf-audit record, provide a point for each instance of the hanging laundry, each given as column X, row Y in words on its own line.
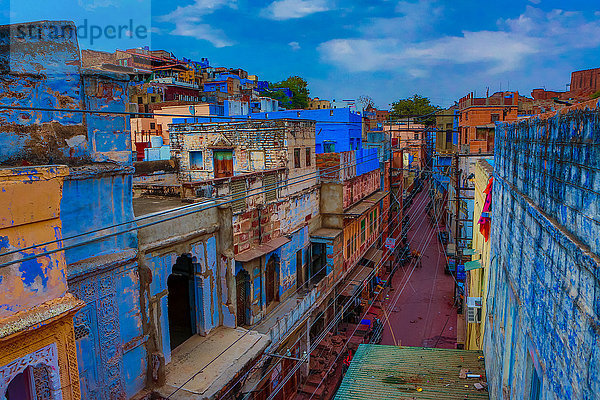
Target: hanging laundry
column 485, row 218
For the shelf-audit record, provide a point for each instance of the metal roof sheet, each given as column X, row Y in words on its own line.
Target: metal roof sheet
column 394, row 372
column 261, row 250
column 365, row 204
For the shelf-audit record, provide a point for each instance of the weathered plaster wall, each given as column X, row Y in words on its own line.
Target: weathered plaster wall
column 257, row 146
column 544, row 292
column 208, row 242
column 288, row 266
column 43, row 70
column 360, row 187
column 26, row 220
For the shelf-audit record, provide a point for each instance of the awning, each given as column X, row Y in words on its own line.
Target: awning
column 470, row 252
column 326, row 233
column 365, row 205
column 471, row 265
column 261, row 250
column 354, row 283
column 374, row 255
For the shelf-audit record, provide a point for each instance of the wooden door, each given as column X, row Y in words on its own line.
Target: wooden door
column 223, row 163
column 242, row 295
column 270, row 282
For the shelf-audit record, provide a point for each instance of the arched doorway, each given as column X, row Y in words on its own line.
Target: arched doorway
column 180, row 298
column 242, row 284
column 20, row 387
column 272, row 280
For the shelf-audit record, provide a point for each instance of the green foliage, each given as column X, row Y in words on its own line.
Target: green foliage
column 300, row 93
column 595, row 95
column 413, row 107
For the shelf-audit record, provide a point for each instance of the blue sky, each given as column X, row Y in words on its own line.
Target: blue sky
column 385, row 49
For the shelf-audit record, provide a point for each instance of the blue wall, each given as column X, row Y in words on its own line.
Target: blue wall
column 97, row 193
column 544, row 289
column 341, row 125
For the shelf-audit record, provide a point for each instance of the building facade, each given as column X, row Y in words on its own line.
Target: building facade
column 541, row 339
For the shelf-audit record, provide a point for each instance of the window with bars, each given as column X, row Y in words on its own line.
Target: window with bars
column 270, row 187
column 237, row 189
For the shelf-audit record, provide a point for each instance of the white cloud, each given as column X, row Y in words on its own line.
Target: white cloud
column 290, row 9
column 535, row 32
column 294, row 45
column 188, row 21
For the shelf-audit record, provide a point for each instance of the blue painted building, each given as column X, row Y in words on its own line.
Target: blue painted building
column 337, row 130
column 542, row 338
column 97, row 193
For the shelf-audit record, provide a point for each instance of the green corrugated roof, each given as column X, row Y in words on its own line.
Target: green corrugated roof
column 393, row 372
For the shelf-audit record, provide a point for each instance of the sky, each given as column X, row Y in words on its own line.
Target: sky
column 384, row 49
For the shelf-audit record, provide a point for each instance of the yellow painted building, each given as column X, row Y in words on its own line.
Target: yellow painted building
column 318, row 104
column 37, row 343
column 477, row 278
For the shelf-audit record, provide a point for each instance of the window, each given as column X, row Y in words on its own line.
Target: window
column 296, row 158
column 495, row 117
column 328, row 147
column 352, row 144
column 152, row 125
column 348, row 248
column 416, row 136
column 270, row 187
column 196, row 160
column 140, row 100
column 152, row 99
column 481, row 133
column 363, row 229
column 308, row 157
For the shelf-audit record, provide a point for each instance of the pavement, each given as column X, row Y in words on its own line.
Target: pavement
column 420, row 301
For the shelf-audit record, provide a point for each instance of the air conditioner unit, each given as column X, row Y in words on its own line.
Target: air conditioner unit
column 473, row 310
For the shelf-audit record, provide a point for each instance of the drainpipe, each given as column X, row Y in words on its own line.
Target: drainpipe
column 259, row 208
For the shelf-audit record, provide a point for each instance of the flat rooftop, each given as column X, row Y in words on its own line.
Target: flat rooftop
column 149, row 205
column 189, row 359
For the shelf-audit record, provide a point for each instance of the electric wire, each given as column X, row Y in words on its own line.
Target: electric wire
column 355, row 329
column 105, row 236
column 336, row 318
column 253, row 326
column 317, row 174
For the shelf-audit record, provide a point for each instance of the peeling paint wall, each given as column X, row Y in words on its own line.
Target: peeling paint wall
column 199, row 235
column 544, row 291
column 27, row 220
column 43, row 70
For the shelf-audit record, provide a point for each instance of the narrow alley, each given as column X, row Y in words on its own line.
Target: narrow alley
column 419, row 305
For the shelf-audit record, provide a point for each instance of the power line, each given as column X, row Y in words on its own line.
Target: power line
column 253, row 326
column 101, row 237
column 153, row 215
column 344, row 308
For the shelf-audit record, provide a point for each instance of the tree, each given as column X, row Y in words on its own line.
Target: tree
column 300, row 93
column 365, row 101
column 595, row 95
column 415, row 106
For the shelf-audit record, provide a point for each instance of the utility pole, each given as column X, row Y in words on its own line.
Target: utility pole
column 457, row 173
